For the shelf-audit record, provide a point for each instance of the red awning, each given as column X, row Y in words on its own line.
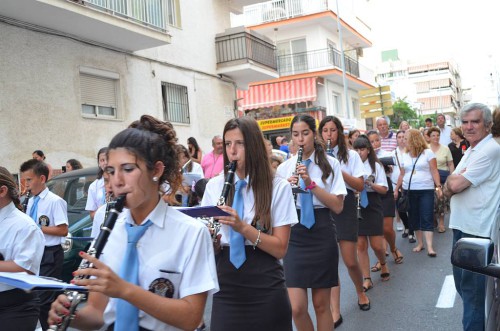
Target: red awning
column 280, row 93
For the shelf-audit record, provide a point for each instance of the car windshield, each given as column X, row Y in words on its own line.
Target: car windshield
column 73, row 190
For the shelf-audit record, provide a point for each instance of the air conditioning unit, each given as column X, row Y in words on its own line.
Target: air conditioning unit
column 359, row 52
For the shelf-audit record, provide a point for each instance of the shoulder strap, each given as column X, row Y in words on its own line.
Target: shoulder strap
column 409, row 183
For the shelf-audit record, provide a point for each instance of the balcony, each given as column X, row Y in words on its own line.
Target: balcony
column 245, row 57
column 129, row 25
column 266, row 17
column 319, row 60
column 316, row 112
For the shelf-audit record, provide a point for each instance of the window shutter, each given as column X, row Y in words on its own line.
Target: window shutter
column 98, row 91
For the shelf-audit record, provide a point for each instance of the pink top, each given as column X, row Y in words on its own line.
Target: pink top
column 212, row 165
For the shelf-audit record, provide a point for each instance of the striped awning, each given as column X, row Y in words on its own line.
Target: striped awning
column 280, row 93
column 438, row 102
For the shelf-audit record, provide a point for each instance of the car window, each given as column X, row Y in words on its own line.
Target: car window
column 73, row 190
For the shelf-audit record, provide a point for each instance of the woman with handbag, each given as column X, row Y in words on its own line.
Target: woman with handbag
column 445, row 168
column 419, row 179
column 403, row 215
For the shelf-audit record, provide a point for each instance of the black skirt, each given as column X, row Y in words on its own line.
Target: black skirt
column 372, row 223
column 346, row 223
column 253, row 297
column 313, row 255
column 18, row 310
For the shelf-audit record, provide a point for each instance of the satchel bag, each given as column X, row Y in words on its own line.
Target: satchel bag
column 404, row 199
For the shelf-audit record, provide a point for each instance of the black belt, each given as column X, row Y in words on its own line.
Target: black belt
column 53, row 248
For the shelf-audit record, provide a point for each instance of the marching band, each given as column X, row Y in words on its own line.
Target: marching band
column 281, row 234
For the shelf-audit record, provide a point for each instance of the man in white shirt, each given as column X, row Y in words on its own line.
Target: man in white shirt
column 444, row 137
column 49, row 212
column 473, row 188
column 387, row 137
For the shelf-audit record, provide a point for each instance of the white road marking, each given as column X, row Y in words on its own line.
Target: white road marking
column 448, row 293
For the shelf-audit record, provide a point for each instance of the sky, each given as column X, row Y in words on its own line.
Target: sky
column 466, row 31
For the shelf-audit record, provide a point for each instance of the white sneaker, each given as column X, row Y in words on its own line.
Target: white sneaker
column 399, row 226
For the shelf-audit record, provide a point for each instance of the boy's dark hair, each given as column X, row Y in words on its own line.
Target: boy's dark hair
column 39, row 168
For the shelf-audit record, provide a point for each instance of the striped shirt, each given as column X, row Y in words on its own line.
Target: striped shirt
column 389, row 143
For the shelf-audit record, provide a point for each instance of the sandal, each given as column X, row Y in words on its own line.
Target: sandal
column 367, row 288
column 398, row 257
column 377, row 267
column 385, row 275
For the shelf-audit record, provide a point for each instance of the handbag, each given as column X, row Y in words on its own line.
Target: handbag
column 404, row 199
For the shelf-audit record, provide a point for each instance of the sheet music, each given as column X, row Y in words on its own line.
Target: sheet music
column 29, row 282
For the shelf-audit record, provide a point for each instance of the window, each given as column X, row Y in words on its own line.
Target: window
column 99, row 91
column 173, row 13
column 336, row 104
column 333, row 53
column 355, row 108
column 292, row 56
column 175, row 103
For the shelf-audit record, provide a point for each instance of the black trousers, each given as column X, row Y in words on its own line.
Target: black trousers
column 18, row 311
column 51, row 266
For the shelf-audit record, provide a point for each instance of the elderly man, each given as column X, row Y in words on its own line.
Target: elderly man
column 387, row 138
column 473, row 188
column 444, row 137
column 213, row 162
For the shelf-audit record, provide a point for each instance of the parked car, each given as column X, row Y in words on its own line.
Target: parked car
column 483, row 256
column 73, row 187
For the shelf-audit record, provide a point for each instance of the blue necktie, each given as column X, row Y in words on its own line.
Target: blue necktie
column 237, row 254
column 363, row 196
column 306, row 204
column 104, row 195
column 34, row 207
column 127, row 315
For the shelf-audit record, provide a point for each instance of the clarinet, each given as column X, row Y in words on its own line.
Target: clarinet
column 358, row 207
column 329, row 147
column 228, row 182
column 95, row 250
column 25, row 201
column 299, row 162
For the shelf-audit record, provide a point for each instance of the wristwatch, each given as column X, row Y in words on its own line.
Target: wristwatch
column 311, row 186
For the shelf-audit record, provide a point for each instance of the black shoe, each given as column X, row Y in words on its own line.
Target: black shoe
column 404, row 234
column 411, row 239
column 364, row 306
column 337, row 323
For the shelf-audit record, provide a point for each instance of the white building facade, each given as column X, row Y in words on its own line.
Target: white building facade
column 74, row 73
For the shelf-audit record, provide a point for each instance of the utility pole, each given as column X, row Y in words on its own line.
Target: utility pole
column 342, row 62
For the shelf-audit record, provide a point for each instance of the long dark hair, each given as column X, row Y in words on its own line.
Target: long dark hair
column 8, row 180
column 343, row 154
column 192, row 141
column 153, row 140
column 320, row 155
column 257, row 167
column 101, row 171
column 363, row 142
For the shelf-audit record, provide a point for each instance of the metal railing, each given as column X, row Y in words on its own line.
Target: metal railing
column 277, row 10
column 291, row 64
column 151, row 13
column 244, row 46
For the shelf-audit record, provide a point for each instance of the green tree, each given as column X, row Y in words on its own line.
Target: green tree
column 403, row 112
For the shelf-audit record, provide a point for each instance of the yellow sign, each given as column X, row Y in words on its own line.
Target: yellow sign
column 275, row 123
column 375, row 90
column 375, row 102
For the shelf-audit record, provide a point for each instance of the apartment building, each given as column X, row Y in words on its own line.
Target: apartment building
column 74, row 73
column 430, row 86
column 310, row 76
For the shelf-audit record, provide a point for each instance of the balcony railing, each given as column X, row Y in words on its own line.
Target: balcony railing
column 324, row 59
column 277, row 10
column 156, row 14
column 244, row 46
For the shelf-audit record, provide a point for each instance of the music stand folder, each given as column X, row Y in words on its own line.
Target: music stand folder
column 206, row 211
column 27, row 282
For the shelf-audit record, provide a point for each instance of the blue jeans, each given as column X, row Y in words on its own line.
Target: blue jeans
column 471, row 287
column 421, row 212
